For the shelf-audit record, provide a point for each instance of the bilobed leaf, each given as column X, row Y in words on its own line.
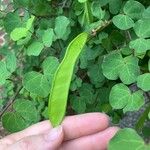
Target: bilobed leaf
column 126, row 69
column 19, row 33
column 36, row 83
column 35, row 48
column 123, row 22
column 27, row 110
column 143, row 82
column 140, row 45
column 122, row 98
column 48, row 37
column 13, row 122
column 142, row 28
column 134, row 9
column 128, row 139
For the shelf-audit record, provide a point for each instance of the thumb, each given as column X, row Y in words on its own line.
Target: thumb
column 49, row 141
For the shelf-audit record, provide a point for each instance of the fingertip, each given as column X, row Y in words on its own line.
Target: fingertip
column 103, row 117
column 113, row 130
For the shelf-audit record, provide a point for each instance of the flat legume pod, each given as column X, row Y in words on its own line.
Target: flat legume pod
column 62, row 78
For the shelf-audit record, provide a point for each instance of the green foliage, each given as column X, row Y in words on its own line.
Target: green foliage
column 128, row 139
column 36, row 83
column 121, row 98
column 127, row 69
column 115, row 57
column 143, row 82
column 123, row 22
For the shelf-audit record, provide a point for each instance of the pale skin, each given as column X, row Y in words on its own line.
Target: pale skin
column 81, row 132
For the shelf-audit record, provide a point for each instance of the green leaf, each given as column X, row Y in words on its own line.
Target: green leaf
column 140, row 45
column 36, row 83
column 142, row 28
column 13, row 122
column 22, row 3
column 79, row 105
column 135, row 102
column 129, row 70
column 61, row 26
column 97, row 11
column 75, row 84
column 45, row 113
column 146, row 13
column 115, row 6
column 121, row 98
column 11, row 62
column 50, row 66
column 86, row 93
column 4, row 73
column 123, row 22
column 112, row 63
column 35, row 48
column 47, row 37
column 18, row 33
column 30, row 22
column 27, row 110
column 128, row 139
column 96, row 75
column 11, row 21
column 143, row 82
column 134, row 9
column 126, row 69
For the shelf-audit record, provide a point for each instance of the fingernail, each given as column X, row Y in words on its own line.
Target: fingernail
column 54, row 133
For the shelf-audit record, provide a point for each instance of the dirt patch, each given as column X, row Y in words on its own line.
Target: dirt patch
column 3, row 133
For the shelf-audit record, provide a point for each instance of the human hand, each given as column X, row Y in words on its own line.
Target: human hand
column 81, row 132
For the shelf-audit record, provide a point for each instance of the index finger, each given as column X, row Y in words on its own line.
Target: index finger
column 73, row 126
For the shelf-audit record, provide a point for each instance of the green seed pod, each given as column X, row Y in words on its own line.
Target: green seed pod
column 62, row 78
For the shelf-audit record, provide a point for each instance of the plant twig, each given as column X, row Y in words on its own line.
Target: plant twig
column 10, row 102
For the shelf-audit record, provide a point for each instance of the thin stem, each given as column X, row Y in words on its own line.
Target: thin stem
column 139, row 125
column 11, row 101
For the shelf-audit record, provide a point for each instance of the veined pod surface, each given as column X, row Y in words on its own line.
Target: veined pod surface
column 62, row 78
